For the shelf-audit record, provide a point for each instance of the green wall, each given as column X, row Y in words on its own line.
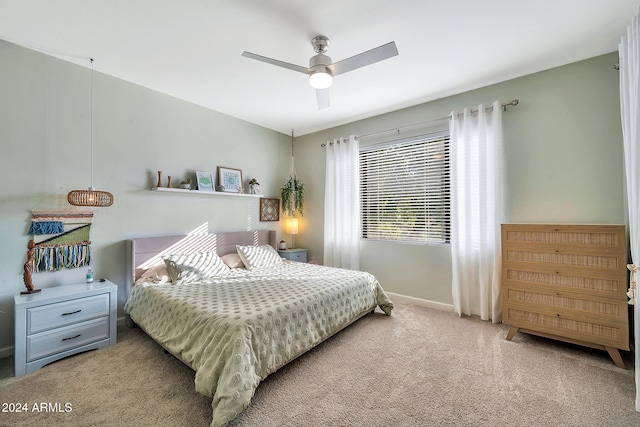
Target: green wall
column 563, row 159
column 45, row 143
column 563, row 163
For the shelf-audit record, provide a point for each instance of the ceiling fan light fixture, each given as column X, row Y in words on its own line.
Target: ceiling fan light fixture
column 320, row 80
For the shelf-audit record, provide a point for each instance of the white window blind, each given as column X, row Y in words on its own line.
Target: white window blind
column 404, row 190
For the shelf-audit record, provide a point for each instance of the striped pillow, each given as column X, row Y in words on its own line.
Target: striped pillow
column 187, row 268
column 256, row 257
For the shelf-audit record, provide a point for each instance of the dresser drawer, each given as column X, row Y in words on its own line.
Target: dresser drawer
column 66, row 313
column 562, row 303
column 562, row 279
column 547, row 257
column 568, row 326
column 58, row 340
column 576, row 237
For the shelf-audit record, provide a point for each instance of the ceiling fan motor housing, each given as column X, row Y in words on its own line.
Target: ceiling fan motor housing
column 320, row 44
column 319, row 63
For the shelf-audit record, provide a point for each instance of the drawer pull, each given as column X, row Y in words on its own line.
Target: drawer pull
column 73, row 312
column 71, row 338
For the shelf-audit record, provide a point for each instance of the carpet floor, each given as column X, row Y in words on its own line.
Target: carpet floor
column 419, row 367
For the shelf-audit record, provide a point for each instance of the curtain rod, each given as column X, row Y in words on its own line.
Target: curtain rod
column 513, row 103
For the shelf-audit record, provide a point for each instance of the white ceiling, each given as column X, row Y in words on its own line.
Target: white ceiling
column 191, row 49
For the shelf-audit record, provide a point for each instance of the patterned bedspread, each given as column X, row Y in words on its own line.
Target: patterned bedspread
column 235, row 330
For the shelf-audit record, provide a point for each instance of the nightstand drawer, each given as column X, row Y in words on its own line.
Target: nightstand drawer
column 65, row 338
column 66, row 313
column 299, row 255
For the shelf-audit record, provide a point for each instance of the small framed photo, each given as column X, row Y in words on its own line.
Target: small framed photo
column 269, row 209
column 204, row 180
column 229, row 179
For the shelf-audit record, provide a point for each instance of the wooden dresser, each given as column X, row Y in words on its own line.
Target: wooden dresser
column 567, row 282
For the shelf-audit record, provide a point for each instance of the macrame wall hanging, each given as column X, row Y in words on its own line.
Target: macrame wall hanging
column 61, row 239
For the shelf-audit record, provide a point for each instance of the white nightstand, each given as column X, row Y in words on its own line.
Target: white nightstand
column 60, row 321
column 297, row 254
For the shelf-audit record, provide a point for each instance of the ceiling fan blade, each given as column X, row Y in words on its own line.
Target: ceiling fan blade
column 377, row 54
column 282, row 64
column 323, row 98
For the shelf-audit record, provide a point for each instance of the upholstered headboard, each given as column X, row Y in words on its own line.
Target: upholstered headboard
column 144, row 252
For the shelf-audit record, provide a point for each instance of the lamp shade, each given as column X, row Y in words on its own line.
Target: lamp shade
column 90, row 197
column 291, row 226
column 320, row 80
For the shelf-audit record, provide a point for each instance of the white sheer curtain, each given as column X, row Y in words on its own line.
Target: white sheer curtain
column 629, row 52
column 476, row 211
column 342, row 204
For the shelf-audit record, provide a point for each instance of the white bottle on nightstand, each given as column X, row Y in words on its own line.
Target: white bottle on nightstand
column 89, row 275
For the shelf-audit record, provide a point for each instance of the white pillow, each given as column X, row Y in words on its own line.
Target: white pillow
column 156, row 274
column 256, row 257
column 187, row 268
column 233, row 261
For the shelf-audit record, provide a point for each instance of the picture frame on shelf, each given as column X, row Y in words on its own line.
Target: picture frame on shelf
column 269, row 209
column 230, row 179
column 204, row 181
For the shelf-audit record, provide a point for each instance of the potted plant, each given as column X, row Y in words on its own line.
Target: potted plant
column 185, row 184
column 254, row 186
column 292, row 195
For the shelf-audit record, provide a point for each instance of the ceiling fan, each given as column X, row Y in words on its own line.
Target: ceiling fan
column 321, row 70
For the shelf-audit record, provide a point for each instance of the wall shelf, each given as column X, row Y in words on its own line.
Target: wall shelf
column 203, row 193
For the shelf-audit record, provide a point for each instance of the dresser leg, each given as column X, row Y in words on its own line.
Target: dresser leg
column 512, row 331
column 615, row 356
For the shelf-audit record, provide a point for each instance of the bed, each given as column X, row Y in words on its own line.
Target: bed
column 236, row 323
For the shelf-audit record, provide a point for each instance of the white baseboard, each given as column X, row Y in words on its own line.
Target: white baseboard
column 422, row 302
column 6, row 351
column 122, row 322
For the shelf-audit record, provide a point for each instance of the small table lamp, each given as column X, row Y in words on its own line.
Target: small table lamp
column 291, row 227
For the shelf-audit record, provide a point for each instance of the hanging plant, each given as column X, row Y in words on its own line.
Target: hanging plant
column 292, row 191
column 292, row 195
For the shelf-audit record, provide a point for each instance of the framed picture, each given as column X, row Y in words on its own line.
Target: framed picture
column 230, row 179
column 204, row 181
column 269, row 209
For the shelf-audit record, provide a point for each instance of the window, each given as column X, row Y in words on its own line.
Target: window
column 404, row 190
